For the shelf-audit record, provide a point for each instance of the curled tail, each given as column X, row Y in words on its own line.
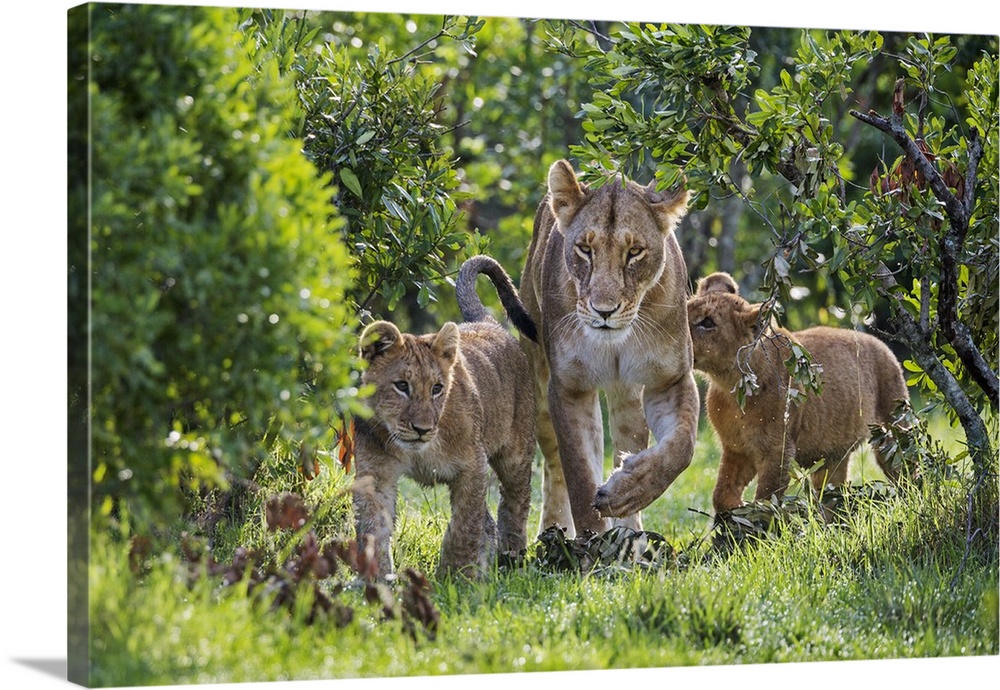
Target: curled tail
column 468, row 299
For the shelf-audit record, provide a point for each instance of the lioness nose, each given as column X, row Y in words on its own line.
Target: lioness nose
column 605, row 313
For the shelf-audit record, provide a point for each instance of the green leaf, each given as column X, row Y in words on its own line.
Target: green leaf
column 781, row 266
column 350, row 180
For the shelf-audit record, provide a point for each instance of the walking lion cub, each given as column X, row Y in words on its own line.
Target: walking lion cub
column 445, row 407
column 862, row 383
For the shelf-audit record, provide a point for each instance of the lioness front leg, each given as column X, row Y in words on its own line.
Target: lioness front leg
column 629, row 434
column 576, row 418
column 463, row 549
column 672, row 415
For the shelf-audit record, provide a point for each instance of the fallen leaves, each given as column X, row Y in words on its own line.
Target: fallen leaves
column 750, row 523
column 620, row 548
column 305, row 579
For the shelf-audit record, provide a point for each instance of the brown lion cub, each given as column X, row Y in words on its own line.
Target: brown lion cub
column 445, row 406
column 861, row 384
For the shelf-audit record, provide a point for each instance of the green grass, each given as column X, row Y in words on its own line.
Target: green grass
column 893, row 580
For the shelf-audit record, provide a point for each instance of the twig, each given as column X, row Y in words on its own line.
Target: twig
column 959, row 212
column 442, row 32
column 592, row 30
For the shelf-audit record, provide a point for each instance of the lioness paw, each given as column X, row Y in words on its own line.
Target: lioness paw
column 602, row 503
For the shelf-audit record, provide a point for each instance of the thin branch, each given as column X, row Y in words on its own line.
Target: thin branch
column 592, row 30
column 443, row 32
column 922, row 349
column 951, row 242
column 952, row 205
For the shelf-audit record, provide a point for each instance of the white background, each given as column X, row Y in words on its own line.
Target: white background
column 33, row 334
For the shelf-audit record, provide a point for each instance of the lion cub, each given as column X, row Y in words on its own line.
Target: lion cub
column 445, row 406
column 861, row 384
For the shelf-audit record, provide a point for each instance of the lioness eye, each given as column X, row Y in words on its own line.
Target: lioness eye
column 402, row 386
column 436, row 390
column 707, row 323
column 583, row 250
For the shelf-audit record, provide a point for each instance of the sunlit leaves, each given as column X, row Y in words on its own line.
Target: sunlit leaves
column 371, row 118
column 219, row 318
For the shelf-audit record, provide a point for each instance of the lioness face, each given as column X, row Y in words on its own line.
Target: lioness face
column 614, row 251
column 614, row 245
column 412, row 376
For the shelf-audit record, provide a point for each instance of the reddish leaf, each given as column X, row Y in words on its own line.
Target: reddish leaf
column 417, row 602
column 286, row 511
column 140, row 549
column 345, row 438
column 898, row 102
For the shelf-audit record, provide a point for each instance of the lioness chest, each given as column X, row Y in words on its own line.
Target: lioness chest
column 592, row 363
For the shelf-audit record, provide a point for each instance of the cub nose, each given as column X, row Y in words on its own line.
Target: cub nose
column 420, row 431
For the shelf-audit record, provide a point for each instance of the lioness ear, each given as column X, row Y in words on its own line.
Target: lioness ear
column 565, row 192
column 718, row 282
column 445, row 343
column 670, row 205
column 377, row 338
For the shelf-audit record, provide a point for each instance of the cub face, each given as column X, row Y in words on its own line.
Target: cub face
column 412, row 376
column 721, row 322
column 614, row 245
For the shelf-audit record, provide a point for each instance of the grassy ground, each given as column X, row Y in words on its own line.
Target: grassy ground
column 892, row 581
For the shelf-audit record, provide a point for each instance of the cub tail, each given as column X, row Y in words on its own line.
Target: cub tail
column 472, row 308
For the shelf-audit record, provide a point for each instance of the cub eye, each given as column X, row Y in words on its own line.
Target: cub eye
column 402, row 387
column 437, row 389
column 707, row 323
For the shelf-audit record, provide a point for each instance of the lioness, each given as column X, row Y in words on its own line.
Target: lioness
column 445, row 406
column 607, row 285
column 861, row 384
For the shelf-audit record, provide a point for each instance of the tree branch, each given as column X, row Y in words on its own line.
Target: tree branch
column 959, row 212
column 921, row 347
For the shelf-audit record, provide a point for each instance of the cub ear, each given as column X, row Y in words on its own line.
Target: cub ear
column 565, row 192
column 378, row 338
column 751, row 318
column 718, row 282
column 445, row 343
column 670, row 205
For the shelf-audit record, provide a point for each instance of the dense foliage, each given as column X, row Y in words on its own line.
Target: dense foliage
column 219, row 329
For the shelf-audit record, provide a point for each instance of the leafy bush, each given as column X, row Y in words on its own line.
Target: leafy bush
column 371, row 119
column 219, row 328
